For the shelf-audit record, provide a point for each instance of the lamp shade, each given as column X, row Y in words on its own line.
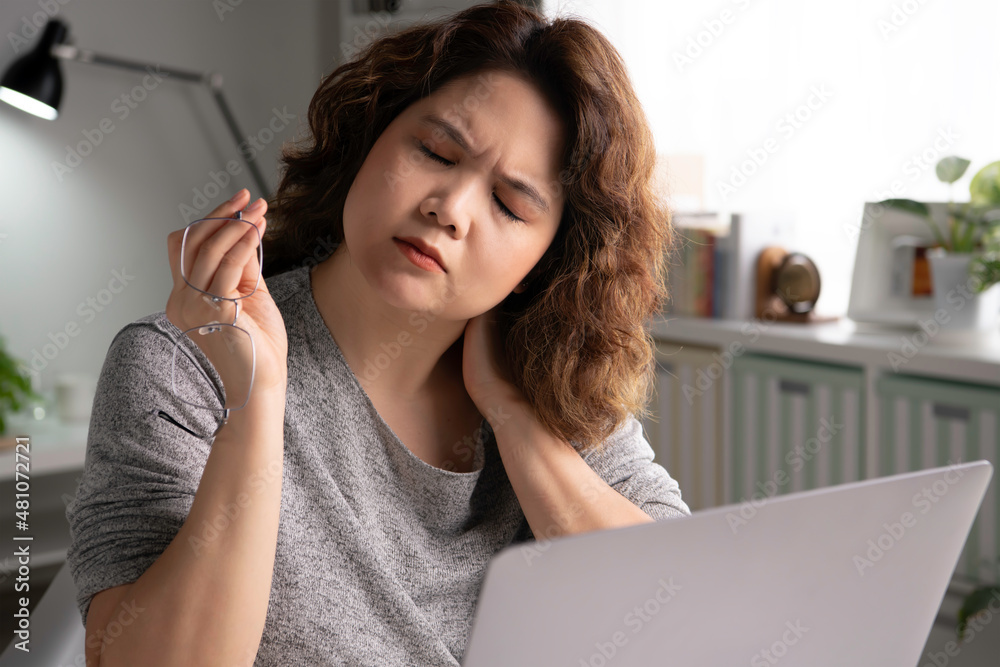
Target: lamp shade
column 33, row 83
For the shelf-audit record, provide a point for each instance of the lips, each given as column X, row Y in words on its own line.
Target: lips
column 425, row 248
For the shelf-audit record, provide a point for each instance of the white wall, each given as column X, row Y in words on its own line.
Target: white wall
column 892, row 89
column 61, row 240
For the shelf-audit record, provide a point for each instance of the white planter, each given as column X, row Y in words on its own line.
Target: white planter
column 963, row 309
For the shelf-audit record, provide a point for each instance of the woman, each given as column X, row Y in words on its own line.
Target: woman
column 462, row 373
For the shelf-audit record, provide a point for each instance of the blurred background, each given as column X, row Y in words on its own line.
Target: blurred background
column 811, row 109
column 850, row 101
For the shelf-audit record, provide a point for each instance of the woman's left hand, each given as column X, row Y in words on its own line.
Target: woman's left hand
column 484, row 366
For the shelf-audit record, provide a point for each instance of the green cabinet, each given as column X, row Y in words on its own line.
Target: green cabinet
column 929, row 422
column 686, row 427
column 796, row 425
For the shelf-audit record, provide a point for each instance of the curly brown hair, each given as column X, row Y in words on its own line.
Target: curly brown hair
column 576, row 340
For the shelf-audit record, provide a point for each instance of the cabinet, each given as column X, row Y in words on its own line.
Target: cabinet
column 927, row 422
column 686, row 432
column 796, row 425
column 769, row 386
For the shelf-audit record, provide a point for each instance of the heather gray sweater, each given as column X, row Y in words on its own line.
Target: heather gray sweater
column 380, row 556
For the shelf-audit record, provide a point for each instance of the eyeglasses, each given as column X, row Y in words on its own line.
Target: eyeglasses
column 229, row 348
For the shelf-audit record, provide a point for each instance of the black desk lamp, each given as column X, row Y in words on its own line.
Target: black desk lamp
column 33, row 83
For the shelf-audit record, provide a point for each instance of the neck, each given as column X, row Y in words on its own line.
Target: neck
column 408, row 353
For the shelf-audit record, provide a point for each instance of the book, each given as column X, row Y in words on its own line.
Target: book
column 695, row 283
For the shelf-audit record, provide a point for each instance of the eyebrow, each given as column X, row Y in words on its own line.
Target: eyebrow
column 456, row 135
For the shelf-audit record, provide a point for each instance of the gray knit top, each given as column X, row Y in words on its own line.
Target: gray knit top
column 380, row 556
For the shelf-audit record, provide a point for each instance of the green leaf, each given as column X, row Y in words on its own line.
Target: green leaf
column 967, row 241
column 984, row 189
column 964, row 228
column 907, row 205
column 918, row 209
column 991, row 238
column 15, row 385
column 977, row 601
column 986, row 270
column 950, row 169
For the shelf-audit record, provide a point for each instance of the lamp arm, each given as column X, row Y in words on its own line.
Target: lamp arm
column 216, row 85
column 211, row 79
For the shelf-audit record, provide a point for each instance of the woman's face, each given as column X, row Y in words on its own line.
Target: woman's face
column 469, row 170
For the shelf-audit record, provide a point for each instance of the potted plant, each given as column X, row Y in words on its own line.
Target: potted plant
column 969, row 250
column 15, row 386
column 965, row 263
column 982, row 598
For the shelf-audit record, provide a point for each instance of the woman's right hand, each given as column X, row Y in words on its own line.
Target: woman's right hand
column 221, row 258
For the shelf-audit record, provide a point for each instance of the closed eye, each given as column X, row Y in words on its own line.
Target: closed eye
column 434, row 156
column 437, row 158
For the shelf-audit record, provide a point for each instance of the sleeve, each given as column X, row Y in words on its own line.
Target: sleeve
column 625, row 462
column 140, row 472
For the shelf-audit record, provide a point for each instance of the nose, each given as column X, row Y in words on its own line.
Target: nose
column 452, row 204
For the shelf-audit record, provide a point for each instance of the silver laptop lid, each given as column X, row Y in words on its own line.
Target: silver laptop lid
column 844, row 575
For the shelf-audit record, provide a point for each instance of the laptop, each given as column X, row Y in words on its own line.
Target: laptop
column 852, row 574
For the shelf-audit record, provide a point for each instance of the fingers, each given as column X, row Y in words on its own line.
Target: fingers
column 235, row 274
column 177, row 238
column 220, row 253
column 238, row 201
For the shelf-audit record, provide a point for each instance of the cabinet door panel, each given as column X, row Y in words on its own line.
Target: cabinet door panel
column 927, row 423
column 686, row 433
column 796, row 425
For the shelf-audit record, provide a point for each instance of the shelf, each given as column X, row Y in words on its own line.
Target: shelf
column 903, row 350
column 55, row 446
